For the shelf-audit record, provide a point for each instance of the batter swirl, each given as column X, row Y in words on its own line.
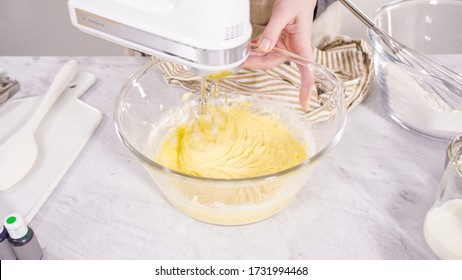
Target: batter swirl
column 231, row 143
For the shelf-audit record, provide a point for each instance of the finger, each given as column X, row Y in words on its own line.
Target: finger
column 280, row 17
column 306, row 86
column 265, row 62
column 299, row 43
column 255, row 40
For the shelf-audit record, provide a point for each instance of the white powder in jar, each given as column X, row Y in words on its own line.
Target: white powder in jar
column 443, row 230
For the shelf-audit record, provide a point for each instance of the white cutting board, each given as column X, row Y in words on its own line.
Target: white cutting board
column 60, row 137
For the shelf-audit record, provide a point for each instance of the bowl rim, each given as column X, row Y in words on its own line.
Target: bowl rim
column 297, row 59
column 397, row 4
column 383, row 51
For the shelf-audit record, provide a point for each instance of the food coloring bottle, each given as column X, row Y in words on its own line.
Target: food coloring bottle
column 22, row 239
column 6, row 252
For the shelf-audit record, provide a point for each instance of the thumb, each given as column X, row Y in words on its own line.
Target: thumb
column 270, row 36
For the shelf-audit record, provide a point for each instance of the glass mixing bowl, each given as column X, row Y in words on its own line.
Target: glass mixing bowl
column 148, row 106
column 431, row 28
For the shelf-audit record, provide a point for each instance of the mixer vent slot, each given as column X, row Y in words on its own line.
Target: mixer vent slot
column 234, row 31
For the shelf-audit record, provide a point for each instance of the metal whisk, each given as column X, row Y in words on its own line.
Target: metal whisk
column 438, row 79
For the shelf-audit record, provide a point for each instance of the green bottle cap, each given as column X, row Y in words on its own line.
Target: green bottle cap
column 16, row 226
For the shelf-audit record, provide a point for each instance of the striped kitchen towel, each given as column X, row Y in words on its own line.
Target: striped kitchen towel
column 350, row 59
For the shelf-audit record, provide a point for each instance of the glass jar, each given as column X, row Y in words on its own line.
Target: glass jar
column 455, row 146
column 443, row 223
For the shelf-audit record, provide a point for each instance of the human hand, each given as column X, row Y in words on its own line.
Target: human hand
column 289, row 28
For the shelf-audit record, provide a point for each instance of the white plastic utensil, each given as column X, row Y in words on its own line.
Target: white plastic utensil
column 19, row 153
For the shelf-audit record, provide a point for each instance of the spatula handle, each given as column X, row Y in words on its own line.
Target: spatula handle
column 64, row 77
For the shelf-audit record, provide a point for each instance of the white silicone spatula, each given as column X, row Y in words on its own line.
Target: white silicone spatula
column 19, row 153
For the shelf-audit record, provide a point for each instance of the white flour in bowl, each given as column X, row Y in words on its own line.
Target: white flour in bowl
column 414, row 108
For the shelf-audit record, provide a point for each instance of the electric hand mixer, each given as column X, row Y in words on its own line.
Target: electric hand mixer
column 209, row 36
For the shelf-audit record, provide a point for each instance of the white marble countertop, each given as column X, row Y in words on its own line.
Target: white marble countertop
column 367, row 199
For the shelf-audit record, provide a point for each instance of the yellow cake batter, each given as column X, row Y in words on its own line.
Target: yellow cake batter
column 231, row 143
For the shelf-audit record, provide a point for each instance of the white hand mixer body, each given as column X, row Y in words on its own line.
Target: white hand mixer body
column 210, row 36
